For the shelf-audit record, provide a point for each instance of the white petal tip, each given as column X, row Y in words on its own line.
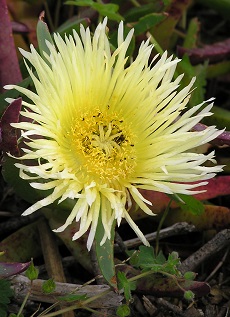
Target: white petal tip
column 27, row 212
column 89, row 245
column 8, row 87
column 57, row 230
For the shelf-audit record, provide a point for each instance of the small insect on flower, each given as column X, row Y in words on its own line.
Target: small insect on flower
column 104, row 130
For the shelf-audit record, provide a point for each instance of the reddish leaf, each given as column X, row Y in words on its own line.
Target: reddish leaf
column 8, row 269
column 218, row 186
column 9, row 71
column 214, row 53
column 8, row 136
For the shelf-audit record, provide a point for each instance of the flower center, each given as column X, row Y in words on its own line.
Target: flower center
column 103, row 146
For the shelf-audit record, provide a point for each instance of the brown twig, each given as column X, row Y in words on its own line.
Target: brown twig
column 176, row 229
column 170, row 307
column 218, row 266
column 51, row 253
column 219, row 242
column 52, row 256
column 224, row 311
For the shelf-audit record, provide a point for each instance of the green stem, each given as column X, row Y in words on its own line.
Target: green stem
column 58, row 302
column 23, row 303
column 95, row 312
column 56, row 16
column 218, row 69
column 135, row 3
column 48, row 309
column 160, row 225
column 100, row 17
column 137, row 277
column 79, row 305
column 174, row 278
column 48, row 16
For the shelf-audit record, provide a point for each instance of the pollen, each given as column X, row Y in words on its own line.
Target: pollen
column 104, row 145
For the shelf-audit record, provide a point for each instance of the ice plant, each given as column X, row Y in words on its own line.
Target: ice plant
column 101, row 129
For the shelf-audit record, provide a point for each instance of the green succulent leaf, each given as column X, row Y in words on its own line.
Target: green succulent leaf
column 105, row 9
column 70, row 25
column 5, row 294
column 105, row 254
column 189, row 203
column 135, row 13
column 43, row 35
column 108, row 10
column 147, row 22
column 83, row 3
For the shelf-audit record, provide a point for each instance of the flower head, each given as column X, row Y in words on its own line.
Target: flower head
column 104, row 130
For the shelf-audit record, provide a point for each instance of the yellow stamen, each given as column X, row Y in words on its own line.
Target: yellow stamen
column 105, row 145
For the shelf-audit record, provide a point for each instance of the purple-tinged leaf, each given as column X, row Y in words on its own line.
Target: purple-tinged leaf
column 8, row 269
column 222, row 139
column 8, row 135
column 19, row 27
column 9, row 71
column 214, row 53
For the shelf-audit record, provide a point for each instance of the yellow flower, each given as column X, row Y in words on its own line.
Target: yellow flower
column 103, row 130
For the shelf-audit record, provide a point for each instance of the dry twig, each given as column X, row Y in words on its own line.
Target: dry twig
column 22, row 284
column 219, row 242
